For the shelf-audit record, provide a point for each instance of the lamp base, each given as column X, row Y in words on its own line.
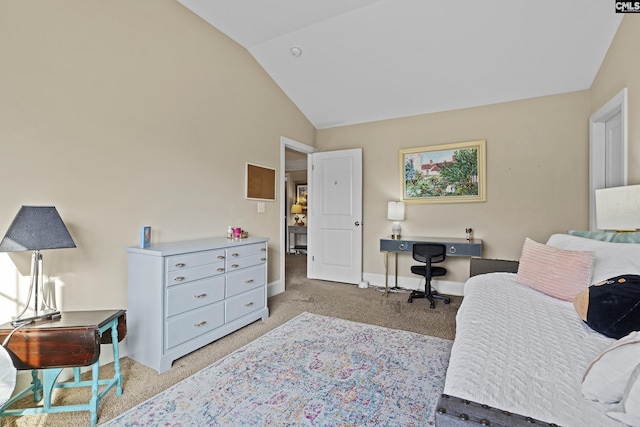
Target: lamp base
column 30, row 317
column 396, row 229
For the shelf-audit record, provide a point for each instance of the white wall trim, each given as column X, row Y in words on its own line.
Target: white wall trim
column 274, row 288
column 285, row 143
column 597, row 142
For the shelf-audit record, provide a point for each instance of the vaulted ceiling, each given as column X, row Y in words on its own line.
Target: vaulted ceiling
column 366, row 60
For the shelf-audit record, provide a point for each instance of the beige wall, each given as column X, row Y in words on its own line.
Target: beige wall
column 537, row 175
column 128, row 113
column 620, row 69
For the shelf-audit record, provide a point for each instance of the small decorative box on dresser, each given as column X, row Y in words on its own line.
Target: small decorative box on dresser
column 184, row 295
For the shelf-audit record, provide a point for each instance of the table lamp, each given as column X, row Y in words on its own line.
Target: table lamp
column 33, row 229
column 618, row 208
column 297, row 209
column 395, row 213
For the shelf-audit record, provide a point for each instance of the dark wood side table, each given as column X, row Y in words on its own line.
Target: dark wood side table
column 72, row 341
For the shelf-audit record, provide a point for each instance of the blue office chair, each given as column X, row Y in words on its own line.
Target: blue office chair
column 429, row 253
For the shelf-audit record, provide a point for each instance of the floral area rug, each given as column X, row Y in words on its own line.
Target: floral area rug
column 311, row 371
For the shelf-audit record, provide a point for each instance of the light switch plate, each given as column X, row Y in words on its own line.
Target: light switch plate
column 261, row 207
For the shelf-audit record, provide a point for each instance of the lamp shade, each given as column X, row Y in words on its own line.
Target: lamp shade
column 395, row 211
column 618, row 208
column 35, row 228
column 296, row 209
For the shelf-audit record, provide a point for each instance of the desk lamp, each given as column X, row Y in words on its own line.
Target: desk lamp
column 33, row 229
column 297, row 209
column 618, row 208
column 395, row 213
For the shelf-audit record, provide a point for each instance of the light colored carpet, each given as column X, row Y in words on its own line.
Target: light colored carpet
column 326, row 298
column 312, row 371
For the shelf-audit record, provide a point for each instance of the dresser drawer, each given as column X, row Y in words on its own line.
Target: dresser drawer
column 243, row 304
column 184, row 327
column 246, row 250
column 245, row 280
column 195, row 273
column 185, row 297
column 194, row 259
column 248, row 261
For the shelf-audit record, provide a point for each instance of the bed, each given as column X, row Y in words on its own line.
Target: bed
column 520, row 355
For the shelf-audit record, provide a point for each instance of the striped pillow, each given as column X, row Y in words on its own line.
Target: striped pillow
column 557, row 272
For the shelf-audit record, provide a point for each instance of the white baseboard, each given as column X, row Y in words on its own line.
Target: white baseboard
column 275, row 288
column 446, row 287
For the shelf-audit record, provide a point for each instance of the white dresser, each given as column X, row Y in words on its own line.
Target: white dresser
column 184, row 295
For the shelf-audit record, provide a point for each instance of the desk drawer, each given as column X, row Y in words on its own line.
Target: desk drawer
column 185, row 297
column 464, row 249
column 184, row 327
column 194, row 259
column 454, row 248
column 245, row 280
column 243, row 304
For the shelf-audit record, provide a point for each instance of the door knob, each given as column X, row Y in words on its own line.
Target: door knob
column 357, row 223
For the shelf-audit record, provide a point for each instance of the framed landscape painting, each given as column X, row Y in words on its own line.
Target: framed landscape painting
column 447, row 173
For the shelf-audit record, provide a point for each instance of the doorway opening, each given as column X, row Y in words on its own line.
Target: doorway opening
column 293, row 188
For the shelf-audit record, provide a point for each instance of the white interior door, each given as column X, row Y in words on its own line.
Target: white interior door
column 335, row 207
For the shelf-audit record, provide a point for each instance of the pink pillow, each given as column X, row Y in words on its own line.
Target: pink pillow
column 557, row 272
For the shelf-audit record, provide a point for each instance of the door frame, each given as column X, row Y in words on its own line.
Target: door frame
column 287, row 143
column 597, row 144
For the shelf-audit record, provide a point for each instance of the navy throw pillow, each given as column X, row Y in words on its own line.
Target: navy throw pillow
column 614, row 306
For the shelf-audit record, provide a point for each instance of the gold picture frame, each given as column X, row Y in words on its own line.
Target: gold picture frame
column 445, row 173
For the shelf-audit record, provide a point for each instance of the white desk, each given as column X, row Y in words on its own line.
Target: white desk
column 455, row 247
column 297, row 230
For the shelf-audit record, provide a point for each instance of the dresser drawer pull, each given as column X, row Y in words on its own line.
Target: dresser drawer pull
column 248, row 304
column 179, row 279
column 263, row 259
column 197, row 325
column 248, row 281
column 220, row 269
column 180, row 264
column 235, row 254
column 235, row 265
column 200, row 296
column 220, row 256
column 263, row 249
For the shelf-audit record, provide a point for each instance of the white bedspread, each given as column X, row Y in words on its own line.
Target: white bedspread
column 525, row 352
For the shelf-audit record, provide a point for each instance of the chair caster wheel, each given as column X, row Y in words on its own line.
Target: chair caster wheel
column 447, row 301
column 432, row 305
column 410, row 300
